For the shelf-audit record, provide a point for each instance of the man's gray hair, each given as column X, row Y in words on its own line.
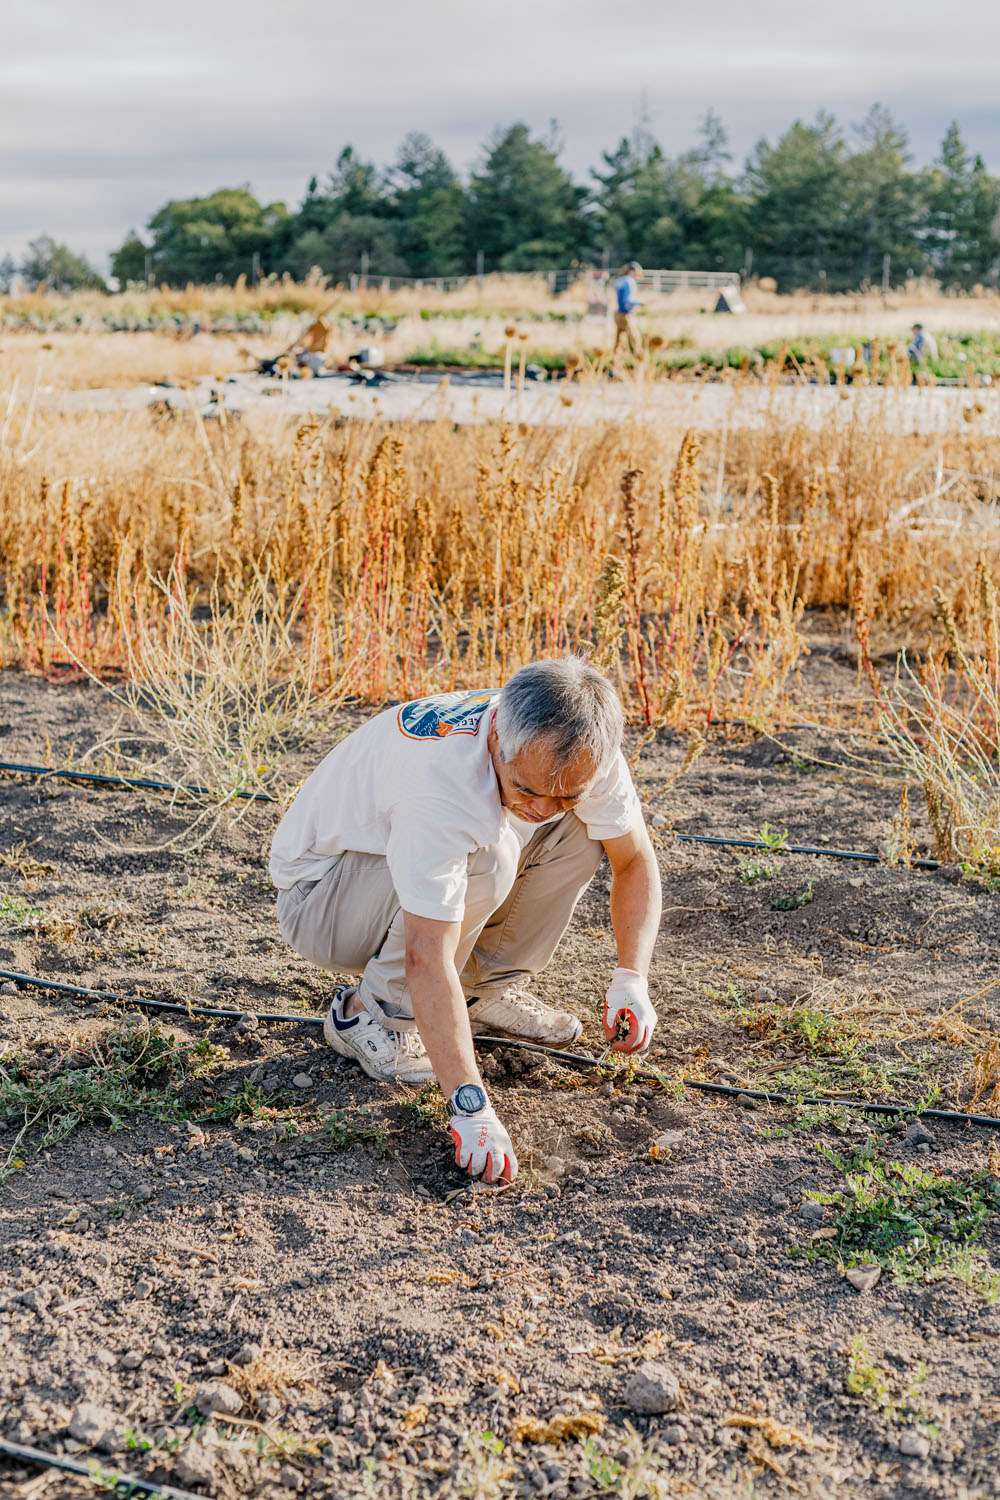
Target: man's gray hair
column 564, row 703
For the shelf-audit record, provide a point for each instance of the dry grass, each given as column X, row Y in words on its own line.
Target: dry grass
column 941, row 719
column 393, row 561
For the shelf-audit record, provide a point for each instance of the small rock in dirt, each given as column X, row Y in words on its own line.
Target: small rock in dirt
column 742, row 1247
column 216, row 1396
column 247, row 1353
column 914, row 1445
column 652, row 1388
column 302, row 1081
column 863, row 1278
column 293, row 1480
column 39, row 1297
column 917, row 1134
column 245, row 1154
column 216, row 1367
column 811, row 1210
column 246, row 1023
column 95, row 1427
column 132, row 1360
column 195, row 1464
column 674, row 1435
column 778, row 1200
column 142, row 1289
column 8, row 988
column 731, row 1262
column 160, row 1348
column 142, row 1192
column 747, row 1101
column 668, row 1138
column 269, row 1406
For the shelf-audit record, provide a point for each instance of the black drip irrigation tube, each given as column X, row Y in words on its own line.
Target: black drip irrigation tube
column 575, row 1059
column 142, row 783
column 704, row 838
column 120, row 1484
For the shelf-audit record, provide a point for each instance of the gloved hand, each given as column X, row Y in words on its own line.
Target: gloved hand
column 629, row 1016
column 482, row 1146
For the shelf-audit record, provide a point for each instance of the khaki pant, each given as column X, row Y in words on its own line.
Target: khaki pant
column 626, row 329
column 517, row 906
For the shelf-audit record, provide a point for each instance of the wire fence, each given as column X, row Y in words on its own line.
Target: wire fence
column 558, row 280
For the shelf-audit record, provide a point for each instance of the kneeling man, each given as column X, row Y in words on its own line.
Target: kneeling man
column 439, row 851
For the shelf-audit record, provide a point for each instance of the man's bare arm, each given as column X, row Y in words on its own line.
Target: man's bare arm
column 636, row 901
column 439, row 1006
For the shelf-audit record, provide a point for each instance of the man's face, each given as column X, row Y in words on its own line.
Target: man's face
column 534, row 786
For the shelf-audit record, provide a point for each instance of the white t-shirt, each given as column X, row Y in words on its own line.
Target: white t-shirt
column 417, row 785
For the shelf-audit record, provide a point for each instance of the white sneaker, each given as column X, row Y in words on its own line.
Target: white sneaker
column 515, row 1013
column 390, row 1056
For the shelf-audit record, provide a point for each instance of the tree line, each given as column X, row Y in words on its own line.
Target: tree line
column 815, row 209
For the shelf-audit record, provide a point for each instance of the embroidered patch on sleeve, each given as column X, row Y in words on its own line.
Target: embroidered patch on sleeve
column 436, row 718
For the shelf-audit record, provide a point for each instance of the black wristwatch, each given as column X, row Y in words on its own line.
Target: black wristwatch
column 468, row 1099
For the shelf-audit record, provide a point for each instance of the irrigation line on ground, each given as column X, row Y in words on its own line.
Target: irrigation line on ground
column 704, row 838
column 575, row 1059
column 171, row 1005
column 123, row 1484
column 143, row 783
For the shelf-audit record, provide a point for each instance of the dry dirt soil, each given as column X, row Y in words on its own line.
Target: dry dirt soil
column 274, row 1280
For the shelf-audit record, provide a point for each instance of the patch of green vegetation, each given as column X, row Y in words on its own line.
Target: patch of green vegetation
column 866, row 1076
column 638, row 1478
column 792, row 900
column 920, row 1224
column 16, row 911
column 873, row 1385
column 50, row 1090
column 750, row 868
column 814, row 1117
column 476, row 358
column 429, row 1105
column 340, row 1132
column 821, row 1034
column 248, row 1103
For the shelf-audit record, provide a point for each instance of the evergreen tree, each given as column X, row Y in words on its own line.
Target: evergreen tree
column 797, row 211
column 882, row 204
column 128, row 262
column 428, row 205
column 345, row 226
column 525, row 212
column 961, row 202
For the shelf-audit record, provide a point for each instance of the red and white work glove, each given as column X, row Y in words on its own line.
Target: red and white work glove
column 629, row 1016
column 482, row 1145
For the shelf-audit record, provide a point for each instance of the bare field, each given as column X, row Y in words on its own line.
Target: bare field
column 259, row 1267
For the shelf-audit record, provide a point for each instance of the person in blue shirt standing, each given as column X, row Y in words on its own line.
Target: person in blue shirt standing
column 626, row 300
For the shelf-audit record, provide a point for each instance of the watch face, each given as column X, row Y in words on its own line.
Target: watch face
column 469, row 1098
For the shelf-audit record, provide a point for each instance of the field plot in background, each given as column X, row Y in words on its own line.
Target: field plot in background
column 803, row 622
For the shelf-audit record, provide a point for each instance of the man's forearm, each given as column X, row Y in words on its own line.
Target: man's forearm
column 442, row 1018
column 635, row 910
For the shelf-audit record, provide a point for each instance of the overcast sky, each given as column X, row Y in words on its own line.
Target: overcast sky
column 108, row 108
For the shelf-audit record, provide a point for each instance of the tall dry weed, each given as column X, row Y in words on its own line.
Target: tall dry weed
column 410, row 558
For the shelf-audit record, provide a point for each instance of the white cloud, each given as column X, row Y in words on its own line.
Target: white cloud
column 106, row 111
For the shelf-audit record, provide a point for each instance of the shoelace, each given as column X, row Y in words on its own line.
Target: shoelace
column 526, row 1002
column 408, row 1044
